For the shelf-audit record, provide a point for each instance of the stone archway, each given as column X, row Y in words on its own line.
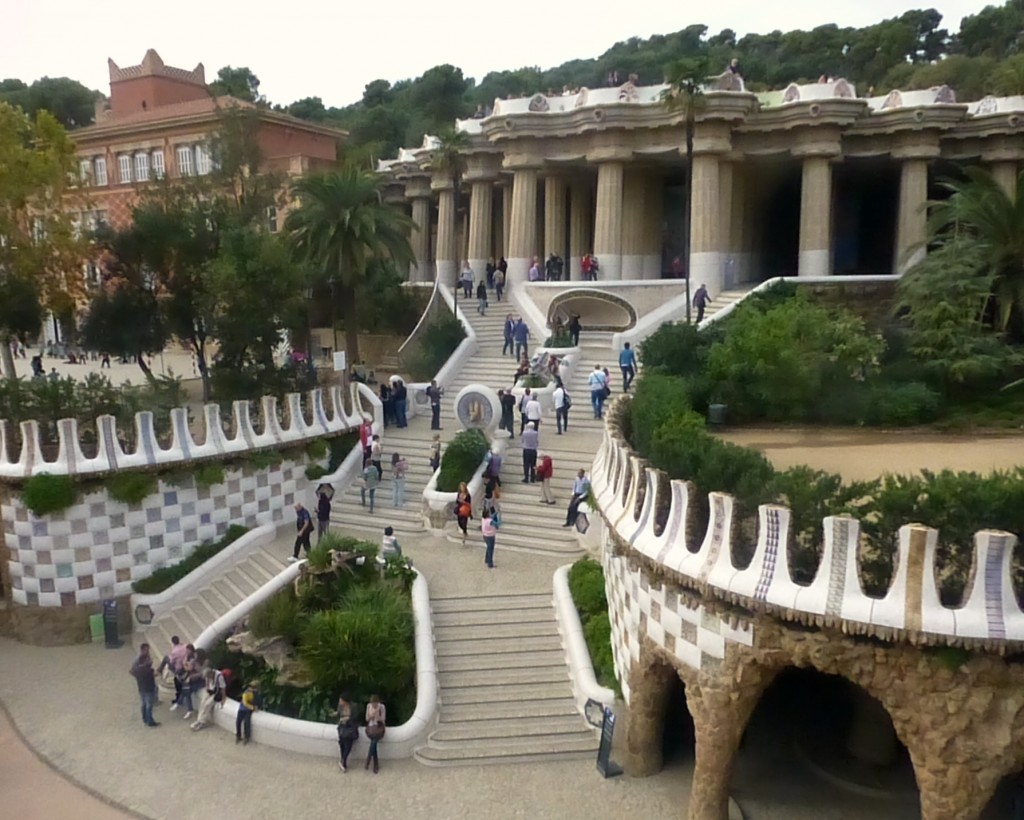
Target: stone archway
column 597, row 310
column 652, row 681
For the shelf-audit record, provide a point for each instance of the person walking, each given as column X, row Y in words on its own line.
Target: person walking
column 521, row 336
column 376, row 454
column 597, row 382
column 399, row 467
column 243, row 718
column 509, row 327
column 366, row 437
column 216, row 693
column 435, row 453
column 533, row 411
column 530, row 441
column 466, row 279
column 401, row 396
column 376, row 721
column 580, row 490
column 574, row 330
column 434, row 394
column 560, row 399
column 463, row 509
column 508, row 408
column 489, row 529
column 700, row 301
column 499, row 283
column 371, row 478
column 348, row 729
column 175, row 661
column 145, row 679
column 323, row 511
column 191, row 676
column 627, row 364
column 481, row 298
column 303, row 529
column 545, row 472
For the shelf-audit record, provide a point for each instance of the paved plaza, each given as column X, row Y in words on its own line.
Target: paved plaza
column 172, row 362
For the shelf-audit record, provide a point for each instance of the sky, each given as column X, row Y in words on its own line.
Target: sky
column 317, row 48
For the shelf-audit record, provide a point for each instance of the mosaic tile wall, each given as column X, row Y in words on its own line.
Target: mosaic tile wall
column 638, row 609
column 96, row 548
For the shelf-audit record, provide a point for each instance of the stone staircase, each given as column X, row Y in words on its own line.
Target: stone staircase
column 527, row 525
column 219, row 595
column 504, row 689
column 727, row 297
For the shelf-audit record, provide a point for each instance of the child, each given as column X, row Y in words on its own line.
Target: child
column 243, row 720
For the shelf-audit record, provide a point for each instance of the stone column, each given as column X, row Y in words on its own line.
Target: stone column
column 523, row 230
column 739, row 239
column 480, row 226
column 1005, row 174
column 651, row 682
column 634, row 217
column 654, row 219
column 506, row 219
column 418, row 190
column 705, row 212
column 446, row 254
column 816, row 218
column 725, row 182
column 608, row 220
column 581, row 215
column 498, row 222
column 556, row 197
column 912, row 219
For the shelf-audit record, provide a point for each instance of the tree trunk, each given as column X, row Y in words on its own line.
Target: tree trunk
column 349, row 311
column 7, row 359
column 140, row 359
column 199, row 348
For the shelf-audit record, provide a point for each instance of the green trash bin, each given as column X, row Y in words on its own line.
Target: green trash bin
column 716, row 414
column 96, row 627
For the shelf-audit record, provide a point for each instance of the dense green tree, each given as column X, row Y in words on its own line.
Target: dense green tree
column 340, row 225
column 71, row 103
column 240, row 83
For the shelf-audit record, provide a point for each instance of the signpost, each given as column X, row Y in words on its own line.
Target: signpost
column 599, row 715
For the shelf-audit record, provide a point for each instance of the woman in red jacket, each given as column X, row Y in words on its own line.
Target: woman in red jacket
column 544, row 473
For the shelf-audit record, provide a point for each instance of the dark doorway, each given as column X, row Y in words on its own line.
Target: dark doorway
column 678, row 739
column 776, row 200
column 865, row 205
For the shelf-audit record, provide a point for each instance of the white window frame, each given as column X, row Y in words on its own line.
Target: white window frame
column 272, row 219
column 141, row 162
column 157, row 164
column 124, row 168
column 185, row 168
column 85, row 171
column 204, row 162
column 100, row 171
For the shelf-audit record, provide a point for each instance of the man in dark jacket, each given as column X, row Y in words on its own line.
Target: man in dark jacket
column 142, row 670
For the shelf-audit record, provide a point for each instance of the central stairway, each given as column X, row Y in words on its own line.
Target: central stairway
column 505, row 694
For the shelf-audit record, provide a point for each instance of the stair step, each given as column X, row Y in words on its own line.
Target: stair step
column 490, row 646
column 495, row 632
column 457, row 696
column 271, row 563
column 228, row 591
column 457, row 714
column 242, row 582
column 524, row 750
column 542, row 614
column 487, row 602
column 501, row 677
column 189, row 626
column 573, row 727
column 503, row 660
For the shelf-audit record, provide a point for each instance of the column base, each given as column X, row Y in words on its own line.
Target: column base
column 518, row 270
column 611, row 267
column 574, row 269
column 815, row 263
column 651, row 266
column 632, row 267
column 446, row 272
column 706, row 269
column 903, row 265
column 479, row 267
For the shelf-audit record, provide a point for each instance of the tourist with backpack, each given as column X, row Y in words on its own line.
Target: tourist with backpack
column 560, row 399
column 216, row 693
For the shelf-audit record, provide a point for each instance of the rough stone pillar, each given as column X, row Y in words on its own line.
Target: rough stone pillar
column 654, row 219
column 816, row 218
column 420, row 240
column 1005, row 174
column 651, row 681
column 446, row 253
column 608, row 220
column 705, row 212
column 497, row 223
column 912, row 219
column 556, row 196
column 581, row 215
column 633, row 219
column 523, row 231
column 480, row 226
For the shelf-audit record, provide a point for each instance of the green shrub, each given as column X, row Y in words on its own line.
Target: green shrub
column 902, row 405
column 209, row 475
column 315, row 471
column 586, row 583
column 340, row 447
column 278, row 615
column 598, row 635
column 439, row 341
column 317, row 449
column 46, row 493
column 263, row 459
column 562, row 339
column 166, row 577
column 461, row 458
column 177, row 478
column 131, row 488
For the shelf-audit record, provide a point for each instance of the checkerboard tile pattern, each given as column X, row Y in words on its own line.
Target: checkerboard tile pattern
column 97, row 547
column 666, row 617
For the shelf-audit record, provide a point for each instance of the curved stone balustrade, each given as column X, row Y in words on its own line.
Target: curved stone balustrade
column 628, row 493
column 303, row 424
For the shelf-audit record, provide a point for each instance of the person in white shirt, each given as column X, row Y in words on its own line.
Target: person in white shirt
column 598, row 384
column 532, row 411
column 580, row 490
column 558, row 398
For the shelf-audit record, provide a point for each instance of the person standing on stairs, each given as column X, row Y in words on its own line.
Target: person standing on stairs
column 399, row 467
column 371, row 478
column 521, row 336
column 627, row 364
column 561, row 401
column 401, row 397
column 530, row 441
column 580, row 491
column 435, row 453
column 481, row 298
column 533, row 413
column 466, row 280
column 508, row 409
column 434, row 394
column 489, row 529
column 463, row 509
column 598, row 384
column 499, row 283
column 366, row 437
column 522, row 410
column 507, row 329
column 303, row 529
column 545, row 472
column 700, row 301
column 323, row 512
column 376, row 453
column 574, row 330
column 376, row 719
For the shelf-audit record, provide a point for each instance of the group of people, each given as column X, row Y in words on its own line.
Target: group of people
column 494, row 279
column 394, row 398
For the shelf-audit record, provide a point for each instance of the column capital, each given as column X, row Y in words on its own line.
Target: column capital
column 482, row 168
column 1002, row 150
column 441, row 182
column 923, row 146
column 609, row 154
column 417, row 188
column 817, row 141
column 709, row 137
column 522, row 162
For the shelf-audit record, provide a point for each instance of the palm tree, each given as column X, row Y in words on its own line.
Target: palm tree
column 980, row 211
column 340, row 225
column 450, row 158
column 685, row 92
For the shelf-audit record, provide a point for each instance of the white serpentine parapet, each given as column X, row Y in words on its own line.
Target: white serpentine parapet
column 627, row 492
column 110, row 455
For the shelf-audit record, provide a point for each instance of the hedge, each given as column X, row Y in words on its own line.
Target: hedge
column 167, row 577
column 462, row 457
column 586, row 584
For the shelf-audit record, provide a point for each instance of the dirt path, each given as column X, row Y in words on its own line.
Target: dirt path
column 864, row 454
